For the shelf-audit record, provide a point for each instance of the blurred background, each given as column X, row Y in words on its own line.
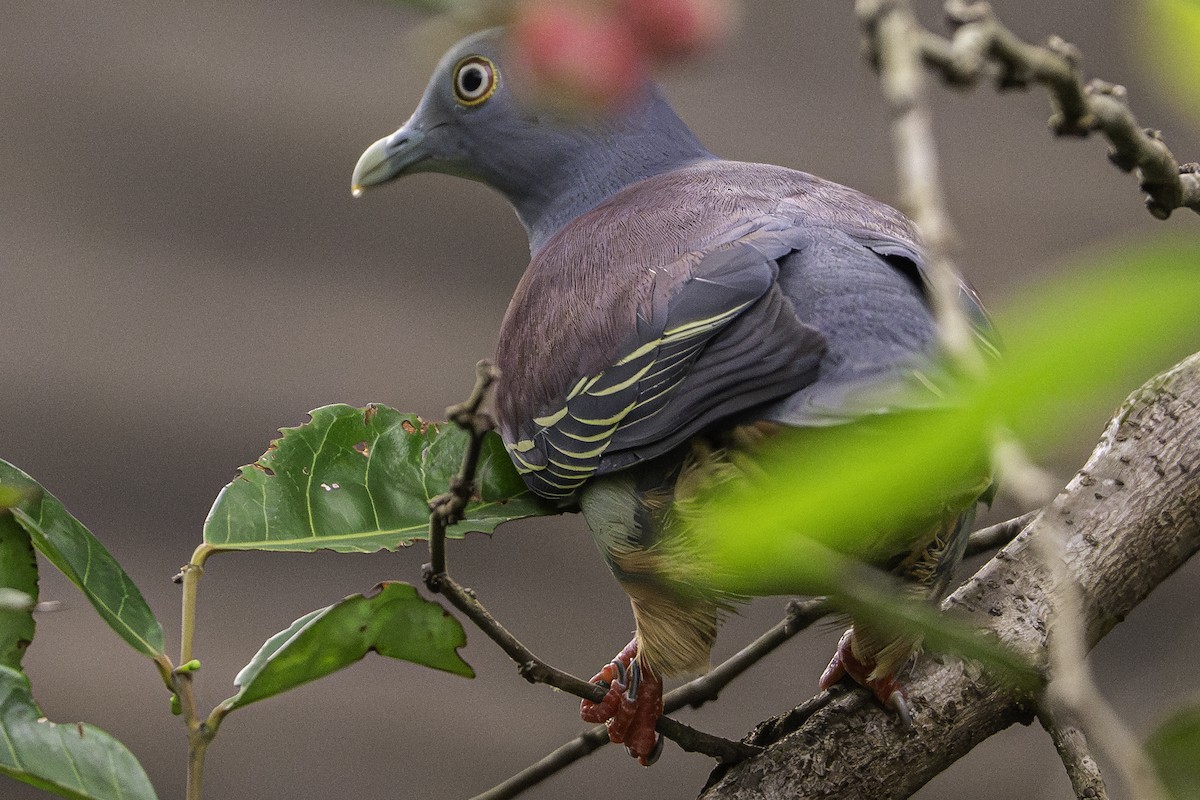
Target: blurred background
column 183, row 271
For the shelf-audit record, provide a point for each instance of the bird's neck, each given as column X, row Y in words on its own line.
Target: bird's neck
column 599, row 161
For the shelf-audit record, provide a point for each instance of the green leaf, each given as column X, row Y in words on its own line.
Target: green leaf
column 1175, row 749
column 75, row 761
column 357, row 480
column 878, row 600
column 1167, row 33
column 79, row 555
column 395, row 622
column 865, row 488
column 18, row 585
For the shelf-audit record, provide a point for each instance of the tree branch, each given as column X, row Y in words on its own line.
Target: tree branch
column 1117, row 549
column 1072, row 748
column 981, row 46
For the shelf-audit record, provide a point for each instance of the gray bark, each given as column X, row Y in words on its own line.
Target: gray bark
column 1131, row 517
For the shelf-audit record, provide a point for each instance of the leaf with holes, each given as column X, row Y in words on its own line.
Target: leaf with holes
column 394, row 621
column 79, row 555
column 357, row 480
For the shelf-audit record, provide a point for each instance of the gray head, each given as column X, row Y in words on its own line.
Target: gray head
column 472, row 122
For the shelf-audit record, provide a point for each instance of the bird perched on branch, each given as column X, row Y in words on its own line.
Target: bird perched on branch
column 678, row 309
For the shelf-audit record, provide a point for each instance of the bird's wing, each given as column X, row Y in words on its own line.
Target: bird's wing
column 987, row 339
column 715, row 342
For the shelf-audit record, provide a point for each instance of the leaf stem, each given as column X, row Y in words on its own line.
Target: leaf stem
column 191, row 572
column 195, row 771
column 180, row 681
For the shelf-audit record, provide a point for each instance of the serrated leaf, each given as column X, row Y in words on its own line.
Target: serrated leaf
column 1175, row 749
column 76, row 761
column 78, row 554
column 395, row 622
column 357, row 480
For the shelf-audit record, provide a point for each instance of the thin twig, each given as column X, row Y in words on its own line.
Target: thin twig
column 1072, row 748
column 562, row 757
column 447, row 509
column 996, row 536
column 198, row 733
column 800, row 615
column 894, row 37
column 982, row 46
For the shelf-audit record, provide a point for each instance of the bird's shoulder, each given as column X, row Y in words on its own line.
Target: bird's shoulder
column 711, row 201
column 589, row 280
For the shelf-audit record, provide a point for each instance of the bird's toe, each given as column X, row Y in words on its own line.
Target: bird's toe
column 631, row 707
column 888, row 689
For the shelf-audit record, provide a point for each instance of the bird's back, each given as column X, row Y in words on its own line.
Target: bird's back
column 846, row 266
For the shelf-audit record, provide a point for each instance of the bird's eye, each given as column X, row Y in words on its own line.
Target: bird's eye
column 475, row 80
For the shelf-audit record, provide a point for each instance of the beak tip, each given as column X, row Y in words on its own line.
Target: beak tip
column 356, row 191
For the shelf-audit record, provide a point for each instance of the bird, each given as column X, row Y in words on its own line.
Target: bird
column 678, row 310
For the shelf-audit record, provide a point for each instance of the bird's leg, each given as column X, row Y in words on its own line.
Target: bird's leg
column 887, row 688
column 632, row 706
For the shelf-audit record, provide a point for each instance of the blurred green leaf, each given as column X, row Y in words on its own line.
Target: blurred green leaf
column 877, row 599
column 395, row 622
column 1167, row 36
column 357, row 480
column 76, row 761
column 79, row 555
column 866, row 488
column 1175, row 749
column 11, row 496
column 19, row 585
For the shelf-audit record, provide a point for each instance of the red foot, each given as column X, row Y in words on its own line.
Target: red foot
column 888, row 690
column 632, row 706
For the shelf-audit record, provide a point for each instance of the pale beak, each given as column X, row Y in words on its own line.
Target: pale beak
column 388, row 158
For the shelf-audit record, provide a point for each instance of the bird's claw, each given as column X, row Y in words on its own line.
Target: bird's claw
column 888, row 689
column 631, row 707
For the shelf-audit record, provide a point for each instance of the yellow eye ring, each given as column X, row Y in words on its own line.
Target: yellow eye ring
column 475, row 80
